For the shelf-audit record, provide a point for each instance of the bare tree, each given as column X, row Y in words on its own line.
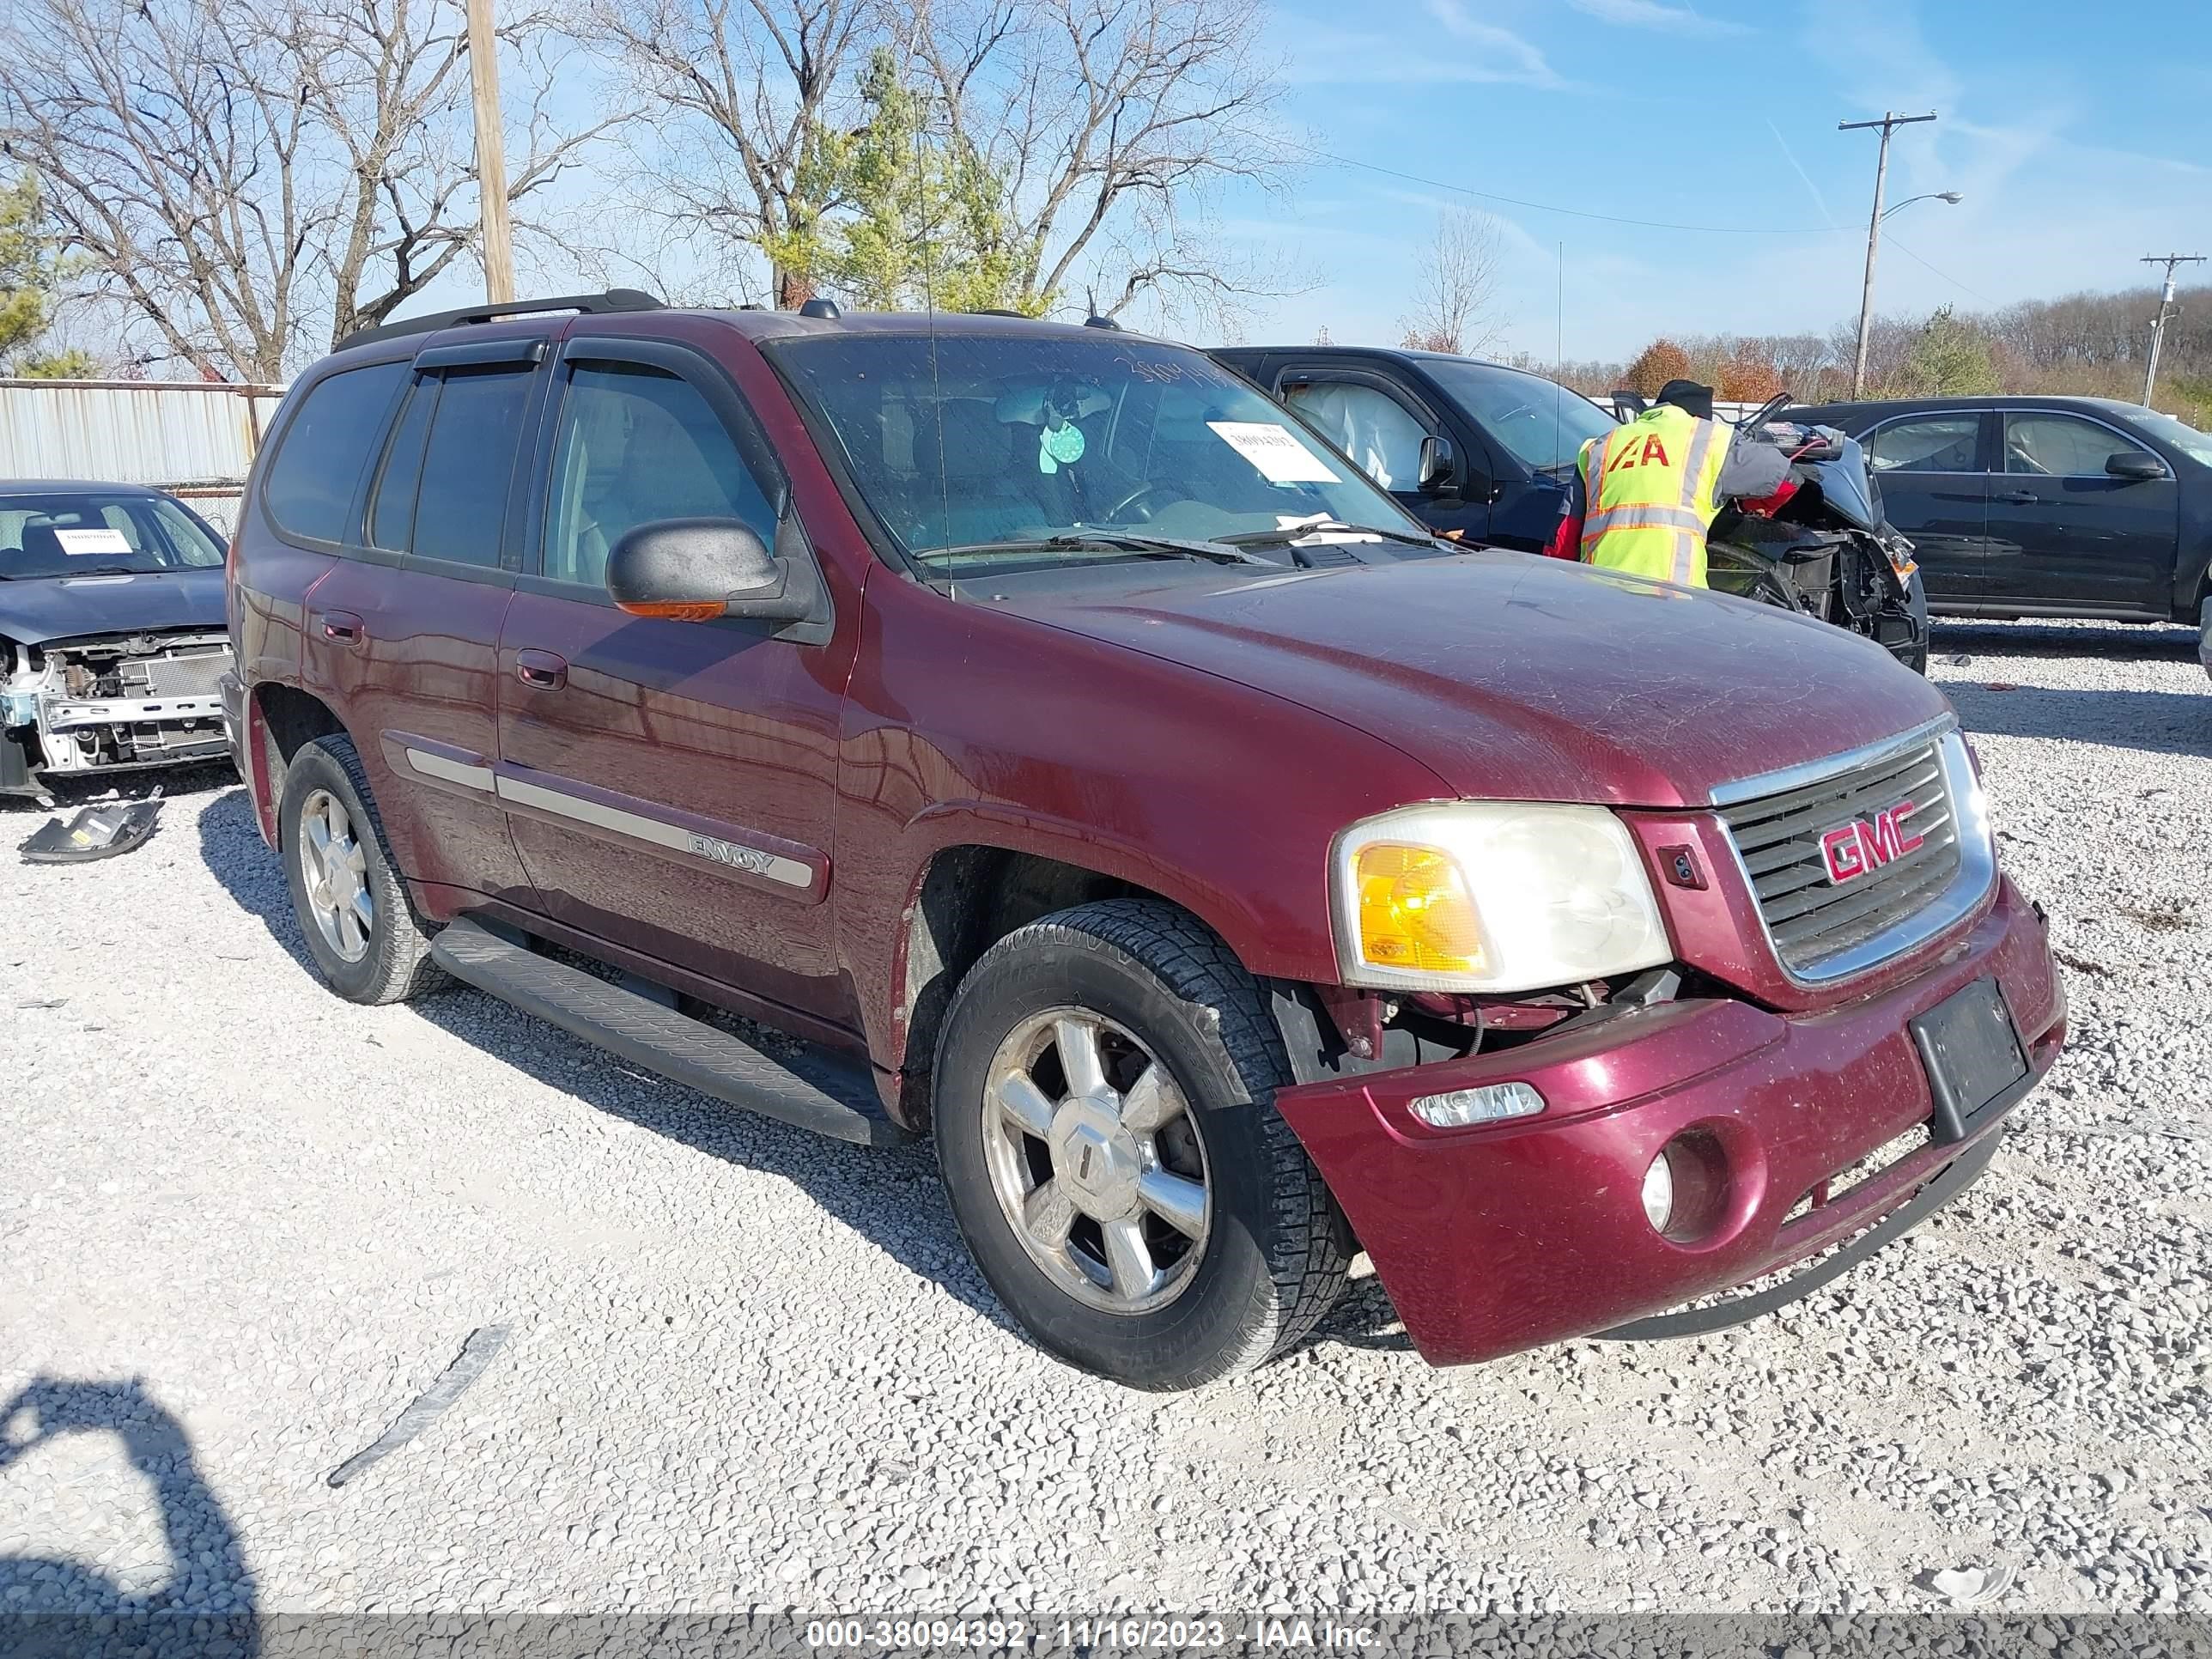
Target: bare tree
column 255, row 181
column 1106, row 122
column 387, row 83
column 1456, row 294
column 169, row 160
column 744, row 87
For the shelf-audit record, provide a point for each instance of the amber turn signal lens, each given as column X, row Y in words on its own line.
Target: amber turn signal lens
column 1415, row 912
column 686, row 611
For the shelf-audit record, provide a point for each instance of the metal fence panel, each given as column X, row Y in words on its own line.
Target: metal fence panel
column 149, row 432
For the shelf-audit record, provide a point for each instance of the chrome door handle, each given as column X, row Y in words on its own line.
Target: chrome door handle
column 2023, row 497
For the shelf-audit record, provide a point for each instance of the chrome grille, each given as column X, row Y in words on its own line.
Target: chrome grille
column 181, row 674
column 1813, row 920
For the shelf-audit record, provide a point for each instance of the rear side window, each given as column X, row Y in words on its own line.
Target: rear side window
column 392, row 507
column 468, row 464
column 1934, row 443
column 310, row 482
column 636, row 444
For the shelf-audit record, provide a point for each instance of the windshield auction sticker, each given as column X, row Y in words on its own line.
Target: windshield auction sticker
column 76, row 542
column 1280, row 457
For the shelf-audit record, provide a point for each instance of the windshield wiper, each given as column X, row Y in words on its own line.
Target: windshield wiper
column 1110, row 540
column 1288, row 533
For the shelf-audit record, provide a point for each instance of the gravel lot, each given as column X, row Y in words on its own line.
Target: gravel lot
column 244, row 1223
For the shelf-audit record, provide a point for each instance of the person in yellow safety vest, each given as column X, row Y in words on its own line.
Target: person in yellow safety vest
column 1650, row 489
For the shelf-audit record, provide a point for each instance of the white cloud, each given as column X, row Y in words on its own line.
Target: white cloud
column 1491, row 53
column 1879, row 57
column 1651, row 15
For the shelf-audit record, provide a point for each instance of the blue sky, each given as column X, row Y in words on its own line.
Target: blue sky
column 2079, row 137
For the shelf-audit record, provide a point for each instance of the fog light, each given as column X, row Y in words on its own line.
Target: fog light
column 1659, row 1193
column 1487, row 1104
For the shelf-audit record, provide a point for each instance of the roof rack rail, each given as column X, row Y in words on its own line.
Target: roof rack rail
column 614, row 299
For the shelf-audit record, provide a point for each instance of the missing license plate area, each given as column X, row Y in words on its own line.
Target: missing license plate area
column 1972, row 1055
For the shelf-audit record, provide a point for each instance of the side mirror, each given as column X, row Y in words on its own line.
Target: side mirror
column 1627, row 405
column 2134, row 465
column 697, row 570
column 1439, row 467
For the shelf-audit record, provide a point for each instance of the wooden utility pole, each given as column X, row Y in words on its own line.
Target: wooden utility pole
column 491, row 153
column 2165, row 312
column 1888, row 124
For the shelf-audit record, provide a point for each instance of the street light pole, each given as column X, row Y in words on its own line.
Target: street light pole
column 1889, row 122
column 2165, row 308
column 491, row 155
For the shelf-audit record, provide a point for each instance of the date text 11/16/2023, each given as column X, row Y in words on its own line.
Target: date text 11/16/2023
column 1170, row 1635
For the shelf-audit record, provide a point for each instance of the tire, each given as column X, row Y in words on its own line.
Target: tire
column 1160, row 990
column 383, row 956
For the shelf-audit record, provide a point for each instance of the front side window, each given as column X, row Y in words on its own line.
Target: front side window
column 2061, row 447
column 468, row 463
column 976, row 445
column 636, row 444
column 1932, row 443
column 1367, row 425
column 1542, row 424
column 83, row 533
column 311, row 480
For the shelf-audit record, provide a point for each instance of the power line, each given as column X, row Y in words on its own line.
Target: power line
column 1971, row 293
column 1571, row 213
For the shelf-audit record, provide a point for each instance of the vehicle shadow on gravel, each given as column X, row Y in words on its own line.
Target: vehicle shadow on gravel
column 69, row 794
column 2154, row 722
column 2124, row 642
column 891, row 1198
column 231, row 846
column 57, row 1606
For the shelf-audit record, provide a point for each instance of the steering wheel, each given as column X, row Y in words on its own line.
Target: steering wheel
column 1115, row 511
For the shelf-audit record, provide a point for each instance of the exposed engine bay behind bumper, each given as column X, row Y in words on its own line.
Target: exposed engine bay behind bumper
column 70, row 708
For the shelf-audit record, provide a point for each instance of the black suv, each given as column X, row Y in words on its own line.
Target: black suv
column 1464, row 446
column 2043, row 506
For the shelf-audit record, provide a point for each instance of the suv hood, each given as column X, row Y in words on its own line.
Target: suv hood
column 34, row 611
column 1516, row 677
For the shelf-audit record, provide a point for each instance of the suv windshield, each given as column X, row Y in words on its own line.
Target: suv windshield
column 1543, row 423
column 83, row 532
column 2197, row 445
column 973, row 442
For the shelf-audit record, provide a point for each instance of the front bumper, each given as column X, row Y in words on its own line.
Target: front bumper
column 1494, row 1239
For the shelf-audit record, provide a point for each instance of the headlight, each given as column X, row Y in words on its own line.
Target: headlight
column 1480, row 895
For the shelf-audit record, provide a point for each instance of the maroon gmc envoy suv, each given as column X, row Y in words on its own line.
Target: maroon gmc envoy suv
column 1096, row 771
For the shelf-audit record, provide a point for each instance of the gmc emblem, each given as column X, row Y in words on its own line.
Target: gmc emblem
column 1854, row 849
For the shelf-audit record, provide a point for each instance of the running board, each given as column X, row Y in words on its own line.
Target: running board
column 814, row 1090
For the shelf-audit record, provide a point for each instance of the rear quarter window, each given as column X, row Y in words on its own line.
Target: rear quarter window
column 310, row 483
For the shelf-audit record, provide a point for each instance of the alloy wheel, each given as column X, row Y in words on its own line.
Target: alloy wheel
column 334, row 872
column 1097, row 1161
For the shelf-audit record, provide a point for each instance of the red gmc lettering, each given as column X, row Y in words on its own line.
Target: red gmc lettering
column 1850, row 850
